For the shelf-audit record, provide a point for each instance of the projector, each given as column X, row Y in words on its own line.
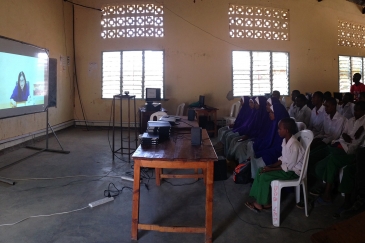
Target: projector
column 171, row 119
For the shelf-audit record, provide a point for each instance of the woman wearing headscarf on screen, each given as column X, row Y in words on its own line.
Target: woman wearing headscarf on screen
column 21, row 91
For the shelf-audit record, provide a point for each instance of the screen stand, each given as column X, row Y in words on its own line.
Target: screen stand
column 46, row 149
column 47, row 137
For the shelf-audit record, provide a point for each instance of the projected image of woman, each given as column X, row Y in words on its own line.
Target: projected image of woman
column 21, row 91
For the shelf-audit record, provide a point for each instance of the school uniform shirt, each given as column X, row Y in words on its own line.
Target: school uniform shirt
column 351, row 128
column 347, row 110
column 303, row 115
column 316, row 121
column 292, row 110
column 332, row 128
column 292, row 155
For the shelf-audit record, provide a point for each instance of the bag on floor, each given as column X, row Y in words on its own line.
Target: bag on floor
column 242, row 173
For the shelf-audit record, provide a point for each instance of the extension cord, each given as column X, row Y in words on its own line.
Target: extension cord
column 100, row 202
column 127, row 178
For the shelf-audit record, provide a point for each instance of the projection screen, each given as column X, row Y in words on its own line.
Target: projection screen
column 23, row 78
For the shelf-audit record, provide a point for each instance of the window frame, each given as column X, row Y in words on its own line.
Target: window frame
column 143, row 72
column 271, row 70
column 362, row 72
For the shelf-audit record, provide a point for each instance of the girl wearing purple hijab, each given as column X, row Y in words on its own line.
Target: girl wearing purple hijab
column 238, row 148
column 266, row 148
column 242, row 115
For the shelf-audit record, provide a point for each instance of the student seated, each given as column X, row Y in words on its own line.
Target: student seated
column 241, row 129
column 353, row 184
column 242, row 115
column 276, row 94
column 333, row 125
column 238, row 145
column 317, row 115
column 347, row 107
column 293, row 105
column 265, row 149
column 303, row 112
column 341, row 153
column 287, row 167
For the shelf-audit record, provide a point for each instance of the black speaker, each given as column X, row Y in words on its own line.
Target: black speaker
column 52, row 82
column 191, row 115
column 196, row 136
column 220, row 169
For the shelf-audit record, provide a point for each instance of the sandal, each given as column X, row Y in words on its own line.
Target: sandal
column 252, row 207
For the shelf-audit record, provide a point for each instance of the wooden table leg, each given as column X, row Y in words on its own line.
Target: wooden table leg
column 209, row 203
column 135, row 205
column 158, row 176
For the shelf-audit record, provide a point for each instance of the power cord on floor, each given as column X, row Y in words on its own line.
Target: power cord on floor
column 264, row 227
column 116, row 192
column 44, row 215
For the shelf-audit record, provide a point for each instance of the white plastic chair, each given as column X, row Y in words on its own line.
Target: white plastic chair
column 306, row 137
column 301, row 126
column 233, row 114
column 158, row 115
column 180, row 110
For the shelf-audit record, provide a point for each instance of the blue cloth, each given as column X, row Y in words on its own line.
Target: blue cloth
column 247, row 123
column 19, row 94
column 243, row 114
column 260, row 120
column 268, row 145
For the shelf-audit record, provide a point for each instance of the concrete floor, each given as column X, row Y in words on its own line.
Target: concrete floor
column 166, row 205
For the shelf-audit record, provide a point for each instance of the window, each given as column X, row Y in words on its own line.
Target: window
column 132, row 71
column 258, row 22
column 258, row 72
column 132, row 20
column 347, row 67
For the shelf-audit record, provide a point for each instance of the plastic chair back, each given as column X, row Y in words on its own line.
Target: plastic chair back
column 180, row 110
column 158, row 115
column 305, row 137
column 234, row 109
column 301, row 126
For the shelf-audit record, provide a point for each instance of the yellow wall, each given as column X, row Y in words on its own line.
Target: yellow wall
column 41, row 23
column 198, row 63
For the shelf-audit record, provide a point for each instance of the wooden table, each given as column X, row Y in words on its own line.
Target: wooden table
column 208, row 111
column 177, row 153
column 184, row 123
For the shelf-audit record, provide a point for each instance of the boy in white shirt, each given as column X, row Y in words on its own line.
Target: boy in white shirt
column 347, row 107
column 318, row 113
column 342, row 153
column 303, row 112
column 288, row 166
column 293, row 105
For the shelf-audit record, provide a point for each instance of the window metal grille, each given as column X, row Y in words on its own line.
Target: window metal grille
column 351, row 34
column 132, row 20
column 258, row 73
column 258, row 22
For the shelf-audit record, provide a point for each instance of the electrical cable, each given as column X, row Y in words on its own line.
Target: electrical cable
column 264, row 227
column 114, row 193
column 75, row 67
column 84, row 6
column 44, row 215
